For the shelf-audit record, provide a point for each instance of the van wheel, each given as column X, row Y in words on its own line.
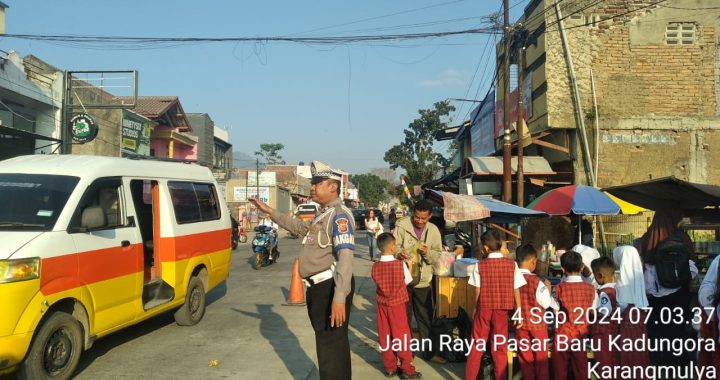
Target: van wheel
column 55, row 350
column 192, row 311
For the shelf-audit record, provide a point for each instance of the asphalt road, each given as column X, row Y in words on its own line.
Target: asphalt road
column 246, row 332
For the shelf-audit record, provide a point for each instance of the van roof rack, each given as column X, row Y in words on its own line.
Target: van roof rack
column 135, row 156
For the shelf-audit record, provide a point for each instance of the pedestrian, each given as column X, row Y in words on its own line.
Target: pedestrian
column 709, row 297
column 606, row 326
column 575, row 299
column 253, row 218
column 633, row 304
column 326, row 259
column 417, row 238
column 392, row 218
column 391, row 277
column 373, row 228
column 664, row 232
column 497, row 280
column 534, row 300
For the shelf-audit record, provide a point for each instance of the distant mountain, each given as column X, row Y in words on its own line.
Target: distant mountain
column 243, row 160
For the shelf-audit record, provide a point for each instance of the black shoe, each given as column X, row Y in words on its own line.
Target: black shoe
column 416, row 375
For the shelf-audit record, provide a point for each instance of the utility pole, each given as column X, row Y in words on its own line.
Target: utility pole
column 257, row 178
column 520, row 122
column 507, row 156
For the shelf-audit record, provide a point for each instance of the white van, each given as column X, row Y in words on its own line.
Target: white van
column 90, row 245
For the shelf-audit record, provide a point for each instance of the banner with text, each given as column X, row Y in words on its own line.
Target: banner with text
column 242, row 193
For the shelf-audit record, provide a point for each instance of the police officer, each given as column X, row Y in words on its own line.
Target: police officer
column 326, row 268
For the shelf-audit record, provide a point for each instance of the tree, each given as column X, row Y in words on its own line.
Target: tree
column 416, row 154
column 371, row 188
column 269, row 153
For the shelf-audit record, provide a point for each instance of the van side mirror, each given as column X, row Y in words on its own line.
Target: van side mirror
column 93, row 217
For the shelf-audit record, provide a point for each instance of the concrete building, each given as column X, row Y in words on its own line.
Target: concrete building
column 656, row 72
column 30, row 106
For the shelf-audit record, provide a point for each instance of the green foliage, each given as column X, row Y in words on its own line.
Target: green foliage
column 416, row 154
column 270, row 153
column 371, row 188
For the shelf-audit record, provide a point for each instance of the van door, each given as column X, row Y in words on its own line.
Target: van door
column 110, row 253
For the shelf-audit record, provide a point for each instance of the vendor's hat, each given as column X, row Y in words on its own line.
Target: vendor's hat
column 321, row 172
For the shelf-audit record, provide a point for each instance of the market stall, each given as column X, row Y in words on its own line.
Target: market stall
column 699, row 204
column 451, row 275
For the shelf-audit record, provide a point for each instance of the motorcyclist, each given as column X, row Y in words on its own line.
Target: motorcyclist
column 266, row 221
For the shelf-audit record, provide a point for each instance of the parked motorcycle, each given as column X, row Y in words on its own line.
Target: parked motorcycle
column 238, row 233
column 265, row 246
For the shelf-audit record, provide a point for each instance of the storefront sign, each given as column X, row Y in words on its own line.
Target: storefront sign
column 266, row 178
column 83, row 128
column 242, row 193
column 652, row 138
column 136, row 132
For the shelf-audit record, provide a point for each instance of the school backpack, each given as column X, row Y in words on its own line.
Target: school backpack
column 671, row 262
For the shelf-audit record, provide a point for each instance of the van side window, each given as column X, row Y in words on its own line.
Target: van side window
column 193, row 202
column 106, row 194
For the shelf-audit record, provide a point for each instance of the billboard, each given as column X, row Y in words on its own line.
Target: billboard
column 482, row 130
column 136, row 132
column 265, row 178
column 527, row 105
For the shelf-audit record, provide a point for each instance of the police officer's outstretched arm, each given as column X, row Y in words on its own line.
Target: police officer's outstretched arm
column 344, row 247
column 295, row 226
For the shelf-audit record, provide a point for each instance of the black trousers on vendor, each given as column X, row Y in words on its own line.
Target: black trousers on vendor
column 421, row 305
column 331, row 343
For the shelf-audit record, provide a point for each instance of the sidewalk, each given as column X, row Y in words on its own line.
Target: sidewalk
column 366, row 360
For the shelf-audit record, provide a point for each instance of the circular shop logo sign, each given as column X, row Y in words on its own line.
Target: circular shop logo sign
column 83, row 128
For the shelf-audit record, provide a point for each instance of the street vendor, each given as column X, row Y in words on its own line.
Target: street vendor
column 419, row 241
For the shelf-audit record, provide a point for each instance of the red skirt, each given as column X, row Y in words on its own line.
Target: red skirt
column 634, row 331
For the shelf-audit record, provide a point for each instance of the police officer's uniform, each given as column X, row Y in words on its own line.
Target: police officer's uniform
column 326, row 268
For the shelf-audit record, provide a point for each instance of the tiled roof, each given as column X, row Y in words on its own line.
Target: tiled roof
column 152, row 106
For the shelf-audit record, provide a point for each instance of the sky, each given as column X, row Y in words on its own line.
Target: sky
column 344, row 105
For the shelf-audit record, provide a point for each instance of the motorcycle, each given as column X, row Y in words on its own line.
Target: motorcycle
column 264, row 246
column 238, row 233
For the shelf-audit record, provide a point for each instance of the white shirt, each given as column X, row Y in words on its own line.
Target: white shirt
column 268, row 222
column 577, row 279
column 604, row 305
column 518, row 279
column 408, row 276
column 542, row 293
column 652, row 285
column 371, row 224
column 706, row 292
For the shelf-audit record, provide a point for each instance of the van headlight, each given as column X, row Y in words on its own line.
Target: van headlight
column 19, row 269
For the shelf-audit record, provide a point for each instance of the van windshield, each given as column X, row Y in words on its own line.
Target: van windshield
column 33, row 201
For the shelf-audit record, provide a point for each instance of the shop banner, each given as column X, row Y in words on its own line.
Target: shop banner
column 136, row 132
column 482, row 133
column 242, row 193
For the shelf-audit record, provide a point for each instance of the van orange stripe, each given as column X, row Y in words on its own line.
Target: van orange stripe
column 73, row 270
column 70, row 271
column 184, row 247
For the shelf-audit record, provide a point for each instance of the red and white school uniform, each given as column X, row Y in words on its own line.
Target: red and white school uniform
column 574, row 296
column 535, row 299
column 391, row 277
column 631, row 299
column 497, row 277
column 605, row 327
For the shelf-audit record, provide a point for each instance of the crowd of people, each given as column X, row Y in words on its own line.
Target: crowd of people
column 606, row 304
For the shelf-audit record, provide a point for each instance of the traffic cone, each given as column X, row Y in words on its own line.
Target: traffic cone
column 297, row 292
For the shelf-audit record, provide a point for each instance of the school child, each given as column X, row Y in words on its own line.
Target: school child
column 709, row 297
column 631, row 299
column 391, row 277
column 605, row 326
column 498, row 281
column 535, row 298
column 575, row 299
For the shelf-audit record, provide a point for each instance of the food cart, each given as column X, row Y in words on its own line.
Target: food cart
column 452, row 291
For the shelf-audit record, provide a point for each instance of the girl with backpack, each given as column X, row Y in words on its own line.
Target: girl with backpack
column 666, row 251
